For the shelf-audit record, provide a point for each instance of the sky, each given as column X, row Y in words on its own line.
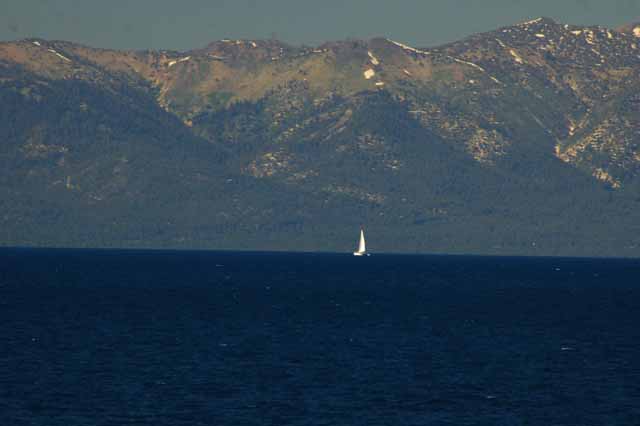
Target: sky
column 188, row 24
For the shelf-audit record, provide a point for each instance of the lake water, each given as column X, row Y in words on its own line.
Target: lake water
column 211, row 338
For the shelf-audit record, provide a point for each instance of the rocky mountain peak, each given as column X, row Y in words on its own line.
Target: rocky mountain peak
column 243, row 50
column 633, row 28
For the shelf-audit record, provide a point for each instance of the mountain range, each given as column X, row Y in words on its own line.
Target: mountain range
column 520, row 141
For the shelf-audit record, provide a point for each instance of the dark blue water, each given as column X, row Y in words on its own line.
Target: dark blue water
column 198, row 338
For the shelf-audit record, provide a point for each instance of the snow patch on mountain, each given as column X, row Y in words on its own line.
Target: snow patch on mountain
column 63, row 57
column 59, row 55
column 471, row 64
column 589, row 36
column 409, row 48
column 172, row 63
column 368, row 74
column 516, row 57
column 476, row 66
column 236, row 42
column 373, row 59
column 533, row 21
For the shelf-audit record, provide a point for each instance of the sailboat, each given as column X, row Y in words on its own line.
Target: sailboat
column 362, row 249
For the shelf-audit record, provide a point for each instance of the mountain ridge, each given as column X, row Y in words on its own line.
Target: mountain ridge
column 521, row 140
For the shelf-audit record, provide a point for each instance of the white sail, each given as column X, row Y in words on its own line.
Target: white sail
column 362, row 248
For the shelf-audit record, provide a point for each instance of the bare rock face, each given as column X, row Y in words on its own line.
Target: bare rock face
column 532, row 127
column 632, row 29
